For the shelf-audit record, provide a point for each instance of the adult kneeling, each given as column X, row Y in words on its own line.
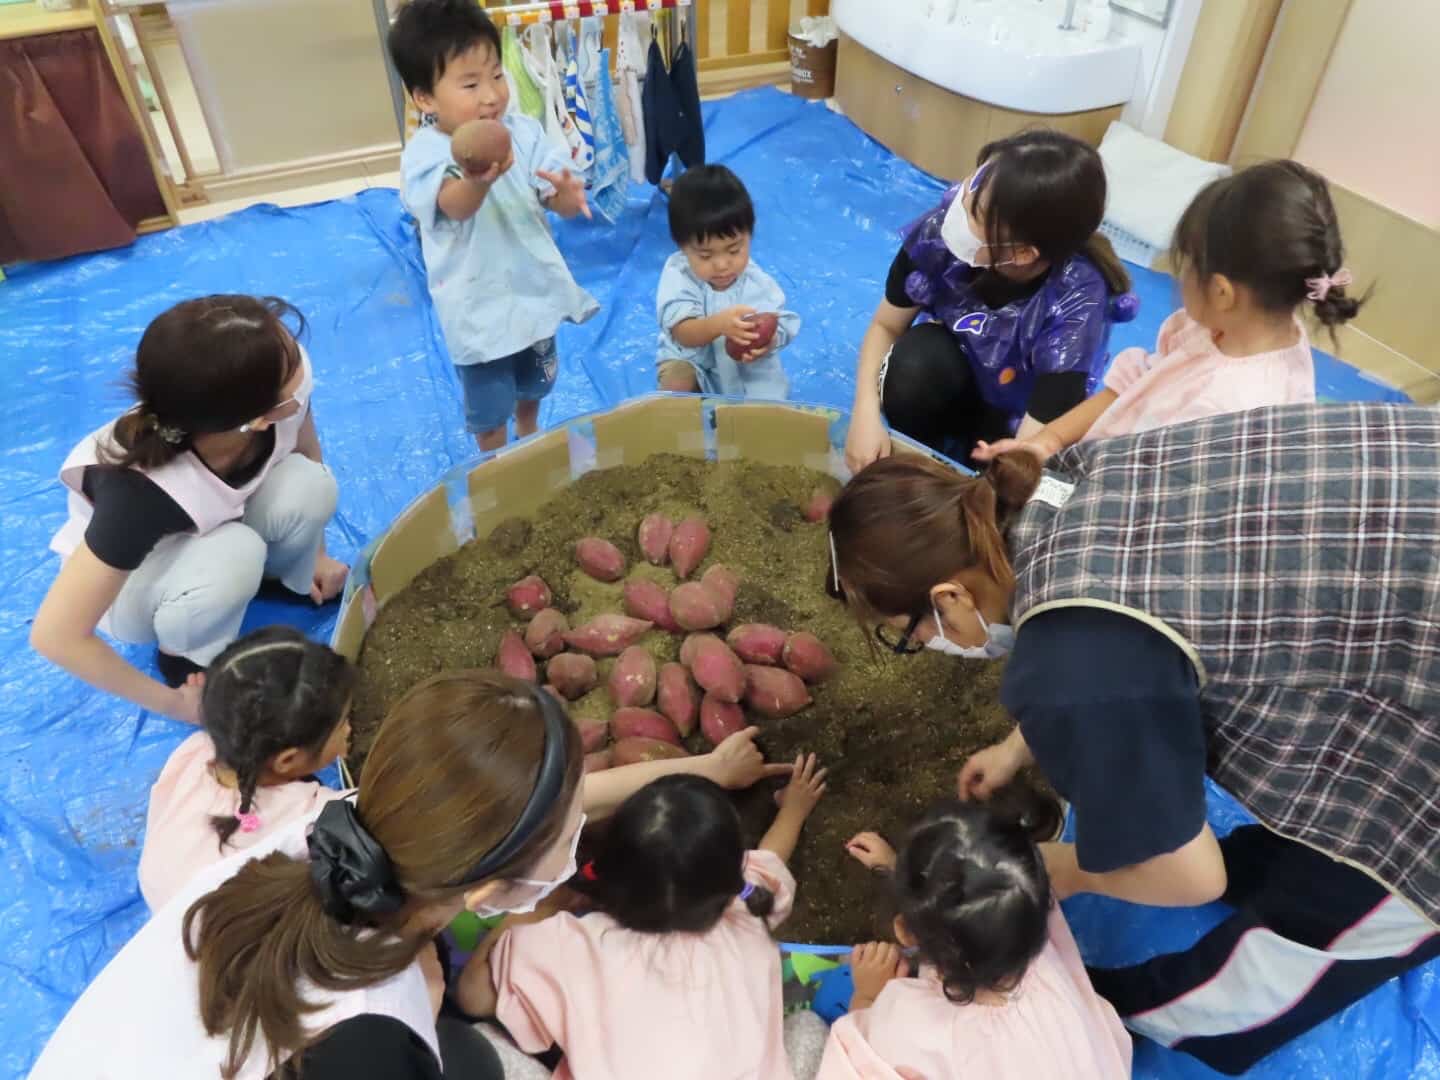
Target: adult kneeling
column 179, row 508
column 315, row 948
column 1251, row 596
column 1015, row 286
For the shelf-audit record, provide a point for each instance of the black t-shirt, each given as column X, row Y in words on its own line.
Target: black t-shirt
column 1110, row 709
column 1053, row 394
column 370, row 1045
column 132, row 514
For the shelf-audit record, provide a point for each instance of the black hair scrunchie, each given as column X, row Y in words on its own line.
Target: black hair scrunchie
column 351, row 873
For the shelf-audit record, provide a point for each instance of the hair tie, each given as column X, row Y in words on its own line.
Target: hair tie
column 747, row 890
column 1319, row 287
column 248, row 822
column 349, row 869
column 588, row 871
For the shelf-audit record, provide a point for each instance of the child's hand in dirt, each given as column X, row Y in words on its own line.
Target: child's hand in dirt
column 871, row 850
column 738, row 763
column 807, row 785
column 872, row 965
column 734, row 324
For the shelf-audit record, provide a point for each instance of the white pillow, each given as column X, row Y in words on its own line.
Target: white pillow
column 1150, row 183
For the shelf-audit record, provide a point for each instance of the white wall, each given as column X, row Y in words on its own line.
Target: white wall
column 1162, row 59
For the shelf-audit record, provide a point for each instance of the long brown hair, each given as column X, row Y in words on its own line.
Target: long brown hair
column 203, row 366
column 450, row 772
column 905, row 523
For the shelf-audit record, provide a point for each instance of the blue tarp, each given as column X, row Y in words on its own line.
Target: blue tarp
column 78, row 765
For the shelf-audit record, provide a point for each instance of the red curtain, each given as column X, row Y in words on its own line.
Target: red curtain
column 74, row 175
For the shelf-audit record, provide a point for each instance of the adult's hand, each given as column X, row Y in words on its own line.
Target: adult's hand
column 187, row 700
column 738, row 763
column 987, row 771
column 329, row 578
column 866, row 441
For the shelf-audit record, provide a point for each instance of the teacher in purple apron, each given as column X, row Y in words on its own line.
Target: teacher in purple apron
column 181, row 507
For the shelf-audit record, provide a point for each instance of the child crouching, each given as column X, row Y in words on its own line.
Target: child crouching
column 712, row 296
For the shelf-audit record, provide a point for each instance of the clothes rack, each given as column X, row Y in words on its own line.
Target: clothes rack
column 519, row 15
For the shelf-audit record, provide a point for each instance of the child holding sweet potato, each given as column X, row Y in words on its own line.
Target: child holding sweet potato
column 1001, row 991
column 676, row 971
column 722, row 318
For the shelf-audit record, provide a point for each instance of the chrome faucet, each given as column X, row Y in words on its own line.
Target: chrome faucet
column 1068, row 22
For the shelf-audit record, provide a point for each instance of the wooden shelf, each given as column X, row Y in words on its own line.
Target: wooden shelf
column 29, row 20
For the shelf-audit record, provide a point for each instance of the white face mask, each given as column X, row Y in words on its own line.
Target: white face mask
column 999, row 639
column 957, row 234
column 521, row 895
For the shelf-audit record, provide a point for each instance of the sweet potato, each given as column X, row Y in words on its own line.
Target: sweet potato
column 634, row 750
column 695, row 607
column 757, row 643
column 593, row 733
column 607, row 635
column 774, row 692
column 688, row 546
column 599, row 760
column 600, row 559
column 573, row 674
column 527, row 596
column 764, row 323
column 632, row 679
column 479, row 144
column 715, row 667
column 724, row 583
column 720, row 719
column 807, row 656
column 818, row 508
column 630, row 723
column 546, row 633
column 646, row 600
column 653, row 537
column 677, row 698
column 513, row 657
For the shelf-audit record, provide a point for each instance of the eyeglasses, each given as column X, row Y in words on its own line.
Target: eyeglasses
column 903, row 643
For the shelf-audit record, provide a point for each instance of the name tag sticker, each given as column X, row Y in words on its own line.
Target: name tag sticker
column 1053, row 491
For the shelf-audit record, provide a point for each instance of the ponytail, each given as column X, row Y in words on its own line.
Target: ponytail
column 759, row 900
column 141, row 441
column 1101, row 252
column 258, row 937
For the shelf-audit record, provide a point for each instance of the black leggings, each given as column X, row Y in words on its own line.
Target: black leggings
column 929, row 393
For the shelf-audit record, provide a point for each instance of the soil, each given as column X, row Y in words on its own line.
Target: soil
column 893, row 730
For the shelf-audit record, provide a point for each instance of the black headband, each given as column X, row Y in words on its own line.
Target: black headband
column 351, row 872
column 549, row 785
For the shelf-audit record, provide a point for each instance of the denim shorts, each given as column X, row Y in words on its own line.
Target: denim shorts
column 492, row 389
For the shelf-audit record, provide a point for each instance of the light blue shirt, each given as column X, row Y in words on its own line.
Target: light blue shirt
column 683, row 296
column 498, row 281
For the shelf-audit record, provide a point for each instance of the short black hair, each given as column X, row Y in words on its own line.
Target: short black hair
column 709, row 201
column 428, row 34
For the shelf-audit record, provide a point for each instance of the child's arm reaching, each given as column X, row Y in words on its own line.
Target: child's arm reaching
column 474, row 992
column 1060, row 434
column 797, row 800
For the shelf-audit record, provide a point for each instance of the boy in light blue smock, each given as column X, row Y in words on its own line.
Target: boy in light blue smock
column 500, row 285
column 710, row 293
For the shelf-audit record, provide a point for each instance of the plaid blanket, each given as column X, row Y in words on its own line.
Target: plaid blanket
column 1294, row 554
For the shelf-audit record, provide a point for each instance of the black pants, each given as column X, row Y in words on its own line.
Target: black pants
column 1309, row 936
column 929, row 393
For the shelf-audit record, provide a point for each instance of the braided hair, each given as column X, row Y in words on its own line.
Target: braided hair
column 972, row 889
column 270, row 691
